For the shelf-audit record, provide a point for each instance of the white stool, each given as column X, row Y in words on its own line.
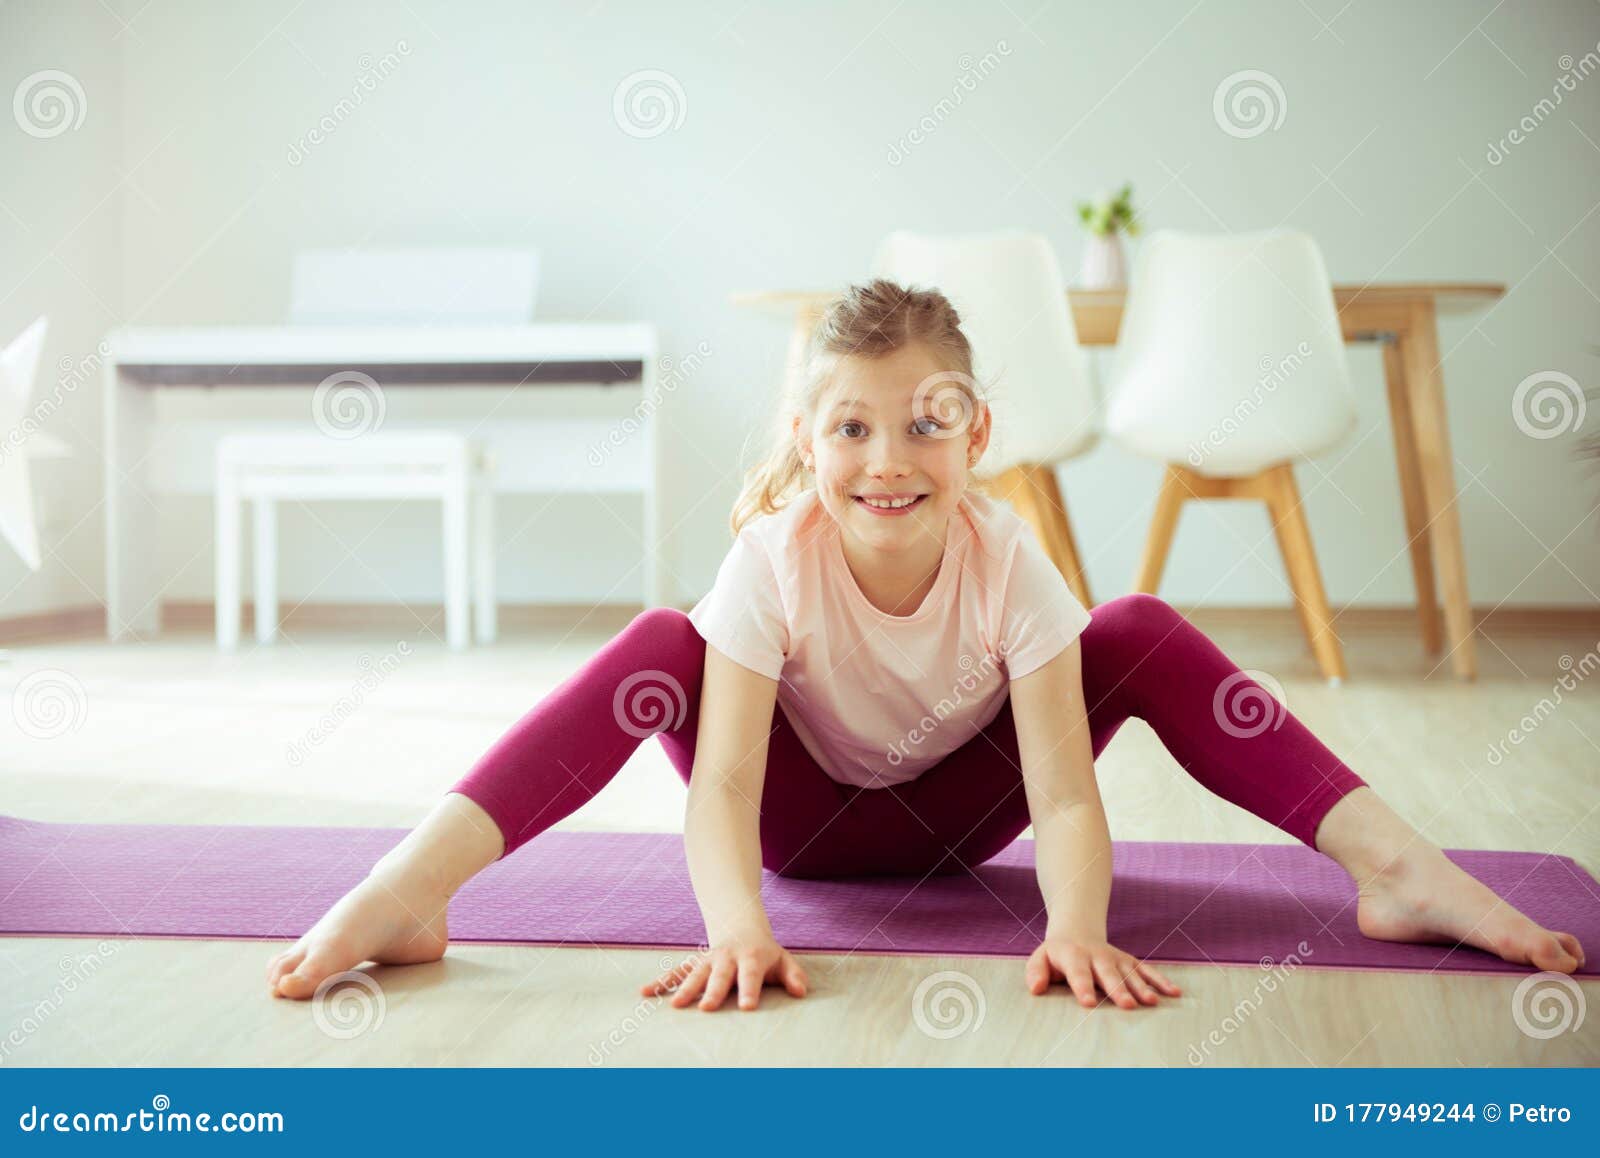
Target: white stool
column 266, row 468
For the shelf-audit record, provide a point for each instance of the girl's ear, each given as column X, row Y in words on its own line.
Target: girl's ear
column 802, row 440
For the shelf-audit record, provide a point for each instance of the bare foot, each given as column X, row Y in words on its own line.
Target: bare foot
column 378, row 920
column 1422, row 895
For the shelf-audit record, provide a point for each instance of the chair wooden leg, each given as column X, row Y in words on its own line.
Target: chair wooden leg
column 1032, row 490
column 1418, row 537
column 1163, row 525
column 1283, row 507
column 1054, row 528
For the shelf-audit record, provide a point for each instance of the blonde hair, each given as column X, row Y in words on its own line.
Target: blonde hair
column 870, row 320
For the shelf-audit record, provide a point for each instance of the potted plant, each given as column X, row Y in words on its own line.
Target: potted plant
column 1106, row 218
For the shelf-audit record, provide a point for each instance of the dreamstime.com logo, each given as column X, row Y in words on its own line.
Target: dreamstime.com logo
column 348, row 1005
column 1272, row 376
column 160, row 1118
column 648, row 702
column 373, row 73
column 672, row 376
column 1272, row 972
column 967, row 80
column 648, row 103
column 1547, row 404
column 1546, row 707
column 1572, row 71
column 948, row 1004
column 373, row 674
column 1546, row 1005
column 76, row 972
column 49, row 103
column 49, row 703
column 348, row 404
column 1248, row 103
column 1245, row 709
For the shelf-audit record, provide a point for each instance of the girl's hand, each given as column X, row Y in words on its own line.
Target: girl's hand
column 751, row 961
column 1083, row 961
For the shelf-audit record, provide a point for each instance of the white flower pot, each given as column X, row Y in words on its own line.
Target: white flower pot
column 1103, row 264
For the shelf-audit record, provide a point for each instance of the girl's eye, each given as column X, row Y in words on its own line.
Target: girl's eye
column 848, row 423
column 928, row 426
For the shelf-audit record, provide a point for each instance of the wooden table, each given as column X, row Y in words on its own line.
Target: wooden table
column 1403, row 317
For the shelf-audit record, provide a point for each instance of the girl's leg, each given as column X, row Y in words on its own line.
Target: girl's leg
column 1142, row 658
column 645, row 681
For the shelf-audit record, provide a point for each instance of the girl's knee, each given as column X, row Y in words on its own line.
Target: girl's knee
column 1137, row 613
column 668, row 621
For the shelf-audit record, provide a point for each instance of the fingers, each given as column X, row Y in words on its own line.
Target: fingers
column 1110, row 978
column 722, row 977
column 1159, row 979
column 793, row 976
column 1080, row 978
column 1037, row 971
column 751, row 978
column 692, row 985
column 669, row 979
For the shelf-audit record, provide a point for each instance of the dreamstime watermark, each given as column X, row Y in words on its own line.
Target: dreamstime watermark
column 1546, row 707
column 348, row 404
column 672, row 376
column 1248, row 103
column 1272, row 973
column 348, row 1004
column 48, row 103
column 1548, row 1004
column 1272, row 376
column 1548, row 404
column 949, row 397
column 49, row 703
column 70, row 375
column 75, row 971
column 948, row 1004
column 967, row 80
column 973, row 675
column 372, row 74
column 373, row 673
column 648, row 103
column 648, row 702
column 631, row 1023
column 1571, row 73
column 1249, row 703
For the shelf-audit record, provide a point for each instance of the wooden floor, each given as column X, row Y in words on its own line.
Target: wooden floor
column 173, row 732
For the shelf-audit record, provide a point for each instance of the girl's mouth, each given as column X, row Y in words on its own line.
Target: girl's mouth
column 887, row 512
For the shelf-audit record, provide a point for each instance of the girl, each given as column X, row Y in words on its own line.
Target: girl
column 868, row 583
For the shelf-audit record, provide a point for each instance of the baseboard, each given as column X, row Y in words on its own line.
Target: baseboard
column 200, row 616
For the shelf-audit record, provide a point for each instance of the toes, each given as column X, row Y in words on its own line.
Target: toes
column 1547, row 951
column 284, row 962
column 302, row 982
column 1572, row 945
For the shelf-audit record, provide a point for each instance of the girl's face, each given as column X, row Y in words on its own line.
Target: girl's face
column 894, row 428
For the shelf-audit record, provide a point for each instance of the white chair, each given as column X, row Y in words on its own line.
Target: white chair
column 266, row 469
column 1230, row 365
column 1012, row 299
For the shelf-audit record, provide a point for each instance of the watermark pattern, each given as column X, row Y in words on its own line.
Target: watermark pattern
column 49, row 703
column 1249, row 703
column 1572, row 71
column 155, row 1120
column 1548, row 404
column 672, row 376
column 1547, row 1004
column 1248, row 103
column 348, row 404
column 967, row 80
column 648, row 702
column 70, row 376
column 946, row 396
column 648, row 103
column 948, row 1004
column 373, row 673
column 348, row 1005
column 1546, row 707
column 1272, row 973
column 929, row 723
column 372, row 74
column 48, row 103
column 75, row 971
column 1273, row 375
column 600, row 1052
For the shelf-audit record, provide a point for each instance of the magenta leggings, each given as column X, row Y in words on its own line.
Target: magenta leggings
column 1140, row 658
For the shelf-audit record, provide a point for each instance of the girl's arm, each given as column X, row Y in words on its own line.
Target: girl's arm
column 1072, row 840
column 722, row 840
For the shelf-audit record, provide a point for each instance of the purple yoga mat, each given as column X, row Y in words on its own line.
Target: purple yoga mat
column 1224, row 903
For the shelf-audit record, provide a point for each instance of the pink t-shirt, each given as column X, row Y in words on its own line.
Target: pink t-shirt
column 879, row 699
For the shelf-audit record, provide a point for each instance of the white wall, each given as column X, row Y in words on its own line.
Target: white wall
column 496, row 126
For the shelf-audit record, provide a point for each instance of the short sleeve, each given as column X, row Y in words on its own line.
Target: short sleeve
column 1041, row 616
column 742, row 615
